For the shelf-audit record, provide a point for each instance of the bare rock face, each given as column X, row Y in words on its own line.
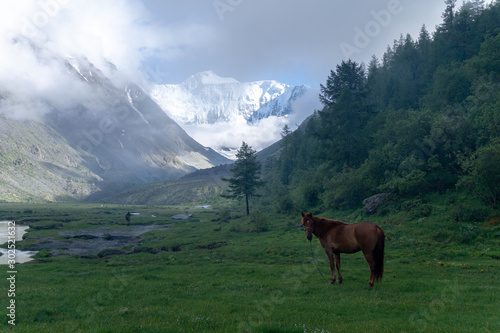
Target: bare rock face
column 372, row 203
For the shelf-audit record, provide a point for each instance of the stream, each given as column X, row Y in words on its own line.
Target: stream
column 21, row 256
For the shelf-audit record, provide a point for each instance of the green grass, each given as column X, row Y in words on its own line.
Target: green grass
column 213, row 276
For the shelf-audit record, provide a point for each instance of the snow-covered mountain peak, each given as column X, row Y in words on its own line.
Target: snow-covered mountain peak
column 209, row 106
column 206, row 78
column 206, row 98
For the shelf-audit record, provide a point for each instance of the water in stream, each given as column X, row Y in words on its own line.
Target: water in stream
column 21, row 256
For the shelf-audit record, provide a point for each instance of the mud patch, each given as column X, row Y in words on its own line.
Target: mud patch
column 211, row 246
column 88, row 242
column 178, row 248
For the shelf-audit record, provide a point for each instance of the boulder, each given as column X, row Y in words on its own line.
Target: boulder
column 372, row 203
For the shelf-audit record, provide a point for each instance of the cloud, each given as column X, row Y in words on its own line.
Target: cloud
column 259, row 135
column 304, row 107
column 115, row 31
column 37, row 36
column 232, row 133
column 292, row 41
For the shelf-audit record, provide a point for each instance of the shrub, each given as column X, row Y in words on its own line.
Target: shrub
column 466, row 234
column 417, row 209
column 285, row 204
column 43, row 253
column 346, row 189
column 46, row 226
column 470, row 213
column 311, row 194
column 409, row 185
column 224, row 215
column 235, row 227
column 260, row 222
column 423, row 210
column 482, row 174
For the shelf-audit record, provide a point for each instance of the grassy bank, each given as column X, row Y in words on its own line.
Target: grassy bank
column 210, row 274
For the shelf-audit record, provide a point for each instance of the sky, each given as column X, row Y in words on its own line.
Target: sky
column 292, row 41
column 166, row 41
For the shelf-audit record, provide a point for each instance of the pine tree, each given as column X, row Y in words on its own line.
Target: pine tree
column 286, row 155
column 246, row 175
column 448, row 16
column 345, row 114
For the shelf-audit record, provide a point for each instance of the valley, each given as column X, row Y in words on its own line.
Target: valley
column 209, row 274
column 141, row 213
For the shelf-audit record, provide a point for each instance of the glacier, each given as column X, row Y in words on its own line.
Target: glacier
column 212, row 108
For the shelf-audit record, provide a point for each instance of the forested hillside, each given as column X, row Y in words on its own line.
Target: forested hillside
column 422, row 120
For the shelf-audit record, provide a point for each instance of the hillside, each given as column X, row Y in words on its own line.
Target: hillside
column 37, row 163
column 202, row 186
column 102, row 136
column 421, row 121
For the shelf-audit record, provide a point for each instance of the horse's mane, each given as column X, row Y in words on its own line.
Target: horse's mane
column 326, row 221
column 323, row 224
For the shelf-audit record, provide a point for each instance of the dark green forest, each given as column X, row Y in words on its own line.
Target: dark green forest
column 422, row 121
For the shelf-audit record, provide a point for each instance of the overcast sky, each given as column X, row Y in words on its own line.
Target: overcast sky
column 292, row 41
column 166, row 41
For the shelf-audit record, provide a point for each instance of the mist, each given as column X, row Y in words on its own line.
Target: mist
column 38, row 38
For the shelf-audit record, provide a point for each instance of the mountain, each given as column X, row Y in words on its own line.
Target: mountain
column 202, row 186
column 206, row 98
column 224, row 107
column 114, row 137
column 128, row 133
column 37, row 163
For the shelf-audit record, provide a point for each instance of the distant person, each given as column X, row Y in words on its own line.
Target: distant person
column 127, row 218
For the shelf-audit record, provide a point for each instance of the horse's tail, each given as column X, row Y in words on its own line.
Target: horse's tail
column 378, row 255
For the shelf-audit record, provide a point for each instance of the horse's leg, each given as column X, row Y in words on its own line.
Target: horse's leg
column 337, row 262
column 329, row 253
column 371, row 263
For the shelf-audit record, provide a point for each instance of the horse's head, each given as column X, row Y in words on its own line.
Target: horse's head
column 308, row 224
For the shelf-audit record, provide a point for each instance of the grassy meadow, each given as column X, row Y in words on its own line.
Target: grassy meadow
column 221, row 271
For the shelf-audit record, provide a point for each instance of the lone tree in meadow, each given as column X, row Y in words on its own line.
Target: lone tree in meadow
column 246, row 175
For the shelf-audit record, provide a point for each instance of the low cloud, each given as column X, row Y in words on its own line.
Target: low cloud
column 38, row 36
column 260, row 135
column 231, row 134
column 304, row 107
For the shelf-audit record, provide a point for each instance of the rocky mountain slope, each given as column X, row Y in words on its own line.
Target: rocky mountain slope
column 36, row 163
column 117, row 137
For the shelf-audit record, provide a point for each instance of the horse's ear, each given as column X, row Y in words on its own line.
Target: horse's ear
column 303, row 214
column 310, row 213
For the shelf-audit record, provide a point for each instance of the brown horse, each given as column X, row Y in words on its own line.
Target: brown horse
column 338, row 237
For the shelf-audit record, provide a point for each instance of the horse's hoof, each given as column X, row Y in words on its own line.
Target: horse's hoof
column 332, row 282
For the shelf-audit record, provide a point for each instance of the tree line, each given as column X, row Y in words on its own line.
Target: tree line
column 424, row 118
